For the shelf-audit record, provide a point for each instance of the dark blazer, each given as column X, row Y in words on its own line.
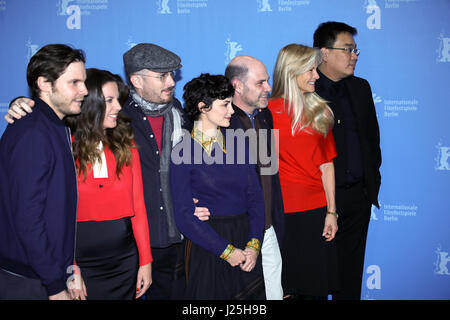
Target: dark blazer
column 149, row 156
column 38, row 198
column 266, row 122
column 364, row 111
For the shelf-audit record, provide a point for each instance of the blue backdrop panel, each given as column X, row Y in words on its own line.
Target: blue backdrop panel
column 405, row 55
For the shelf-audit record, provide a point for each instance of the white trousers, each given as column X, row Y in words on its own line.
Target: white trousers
column 271, row 264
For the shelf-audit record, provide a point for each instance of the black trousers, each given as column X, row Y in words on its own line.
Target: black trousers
column 354, row 211
column 14, row 287
column 163, row 273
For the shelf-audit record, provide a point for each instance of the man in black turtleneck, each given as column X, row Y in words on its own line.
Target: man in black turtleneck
column 357, row 139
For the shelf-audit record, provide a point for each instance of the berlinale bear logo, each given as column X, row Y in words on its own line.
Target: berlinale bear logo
column 441, row 263
column 232, row 49
column 444, row 49
column 264, row 6
column 442, row 158
column 163, row 7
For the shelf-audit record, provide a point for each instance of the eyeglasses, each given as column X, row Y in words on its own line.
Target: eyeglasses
column 348, row 50
column 162, row 76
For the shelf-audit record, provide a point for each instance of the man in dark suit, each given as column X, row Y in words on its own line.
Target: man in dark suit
column 250, row 80
column 357, row 138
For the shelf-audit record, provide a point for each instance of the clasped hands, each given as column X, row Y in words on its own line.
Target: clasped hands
column 245, row 259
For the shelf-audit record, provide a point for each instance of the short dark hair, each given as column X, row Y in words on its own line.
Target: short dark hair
column 233, row 71
column 206, row 88
column 50, row 62
column 326, row 33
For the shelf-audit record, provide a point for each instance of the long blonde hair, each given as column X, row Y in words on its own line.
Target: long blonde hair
column 308, row 109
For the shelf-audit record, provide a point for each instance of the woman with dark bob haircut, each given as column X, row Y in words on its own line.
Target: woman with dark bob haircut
column 112, row 240
column 221, row 254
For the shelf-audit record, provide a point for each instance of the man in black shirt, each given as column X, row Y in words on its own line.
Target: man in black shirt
column 357, row 139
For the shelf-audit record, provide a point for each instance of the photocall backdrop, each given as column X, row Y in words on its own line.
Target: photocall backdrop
column 405, row 55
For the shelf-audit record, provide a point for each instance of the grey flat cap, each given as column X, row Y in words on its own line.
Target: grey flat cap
column 150, row 56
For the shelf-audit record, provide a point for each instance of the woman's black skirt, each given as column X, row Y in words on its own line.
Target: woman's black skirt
column 107, row 256
column 309, row 262
column 209, row 277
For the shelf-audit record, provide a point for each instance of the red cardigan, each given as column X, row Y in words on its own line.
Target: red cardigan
column 101, row 199
column 300, row 158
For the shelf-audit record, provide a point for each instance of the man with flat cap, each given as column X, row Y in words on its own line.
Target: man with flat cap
column 157, row 119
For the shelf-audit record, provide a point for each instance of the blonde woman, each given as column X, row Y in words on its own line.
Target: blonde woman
column 306, row 151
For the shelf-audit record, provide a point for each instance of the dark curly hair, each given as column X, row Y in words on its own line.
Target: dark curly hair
column 88, row 130
column 206, row 88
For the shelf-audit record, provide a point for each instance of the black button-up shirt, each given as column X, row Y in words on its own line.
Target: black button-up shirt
column 348, row 163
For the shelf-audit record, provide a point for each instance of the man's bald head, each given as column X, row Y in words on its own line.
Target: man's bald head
column 239, row 67
column 249, row 78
